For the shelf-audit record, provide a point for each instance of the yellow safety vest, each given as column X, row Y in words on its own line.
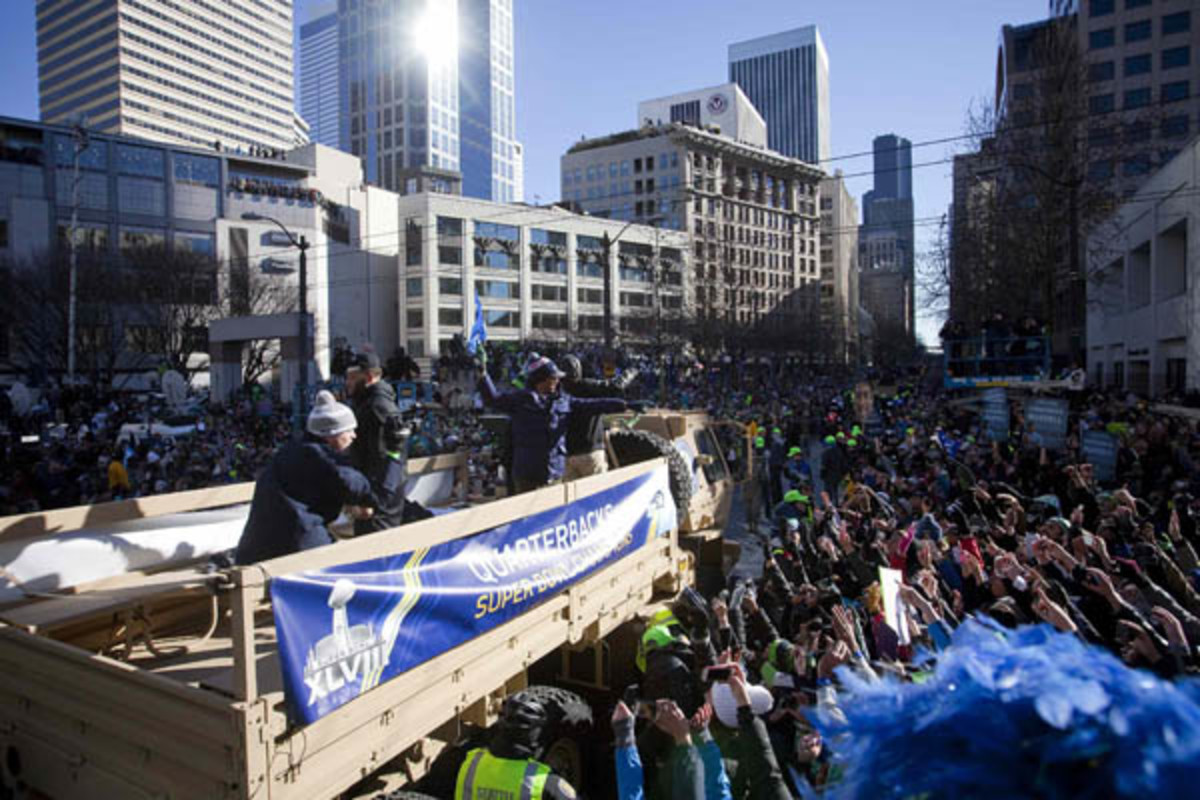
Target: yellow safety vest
column 483, row 776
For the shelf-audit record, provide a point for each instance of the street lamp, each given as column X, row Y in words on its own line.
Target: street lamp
column 607, row 243
column 302, row 244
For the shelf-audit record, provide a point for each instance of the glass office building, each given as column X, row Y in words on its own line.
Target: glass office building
column 786, row 77
column 319, row 81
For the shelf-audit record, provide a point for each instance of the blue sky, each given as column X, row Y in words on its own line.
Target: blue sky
column 910, row 67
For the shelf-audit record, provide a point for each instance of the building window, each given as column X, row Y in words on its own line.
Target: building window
column 1100, row 104
column 3, row 233
column 1175, row 127
column 1174, row 92
column 495, row 318
column 637, row 165
column 588, row 295
column 1140, row 164
column 449, row 255
column 1176, row 57
column 415, row 317
column 1137, row 132
column 1103, row 71
column 547, row 293
column 557, row 322
column 449, row 226
column 197, row 170
column 497, row 290
column 1137, row 31
column 451, row 286
column 1100, row 170
column 1099, row 8
column 413, row 287
column 1177, row 23
column 1137, row 98
column 450, row 316
column 1138, row 65
column 1101, row 39
column 1131, row 4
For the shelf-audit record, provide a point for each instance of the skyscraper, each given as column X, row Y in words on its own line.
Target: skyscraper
column 319, row 78
column 887, row 240
column 187, row 73
column 486, row 92
column 786, row 77
column 427, row 85
column 398, row 63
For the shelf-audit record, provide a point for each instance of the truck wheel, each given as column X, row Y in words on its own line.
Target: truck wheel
column 568, row 751
column 634, row 446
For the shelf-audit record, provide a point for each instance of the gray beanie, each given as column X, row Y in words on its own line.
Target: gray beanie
column 329, row 417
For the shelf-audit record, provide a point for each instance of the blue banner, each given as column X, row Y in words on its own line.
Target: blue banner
column 995, row 413
column 1100, row 450
column 1047, row 419
column 344, row 630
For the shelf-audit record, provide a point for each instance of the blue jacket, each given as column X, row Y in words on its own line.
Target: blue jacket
column 539, row 427
column 301, row 489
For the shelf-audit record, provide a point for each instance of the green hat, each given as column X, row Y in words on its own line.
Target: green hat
column 759, row 442
column 841, row 435
column 830, row 440
column 795, row 451
column 794, row 496
column 780, row 653
column 776, row 430
column 910, row 431
column 855, row 431
column 851, row 443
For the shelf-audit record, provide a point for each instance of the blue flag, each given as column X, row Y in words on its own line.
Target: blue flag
column 478, row 330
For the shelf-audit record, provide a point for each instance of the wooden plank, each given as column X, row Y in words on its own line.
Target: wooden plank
column 66, row 520
column 245, row 665
column 40, row 524
column 60, row 611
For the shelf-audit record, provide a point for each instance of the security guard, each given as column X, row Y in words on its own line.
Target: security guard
column 508, row 768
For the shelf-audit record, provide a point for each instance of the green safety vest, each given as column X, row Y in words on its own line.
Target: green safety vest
column 483, row 776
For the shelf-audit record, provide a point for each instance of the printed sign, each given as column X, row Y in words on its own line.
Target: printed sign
column 1100, row 450
column 344, row 630
column 995, row 413
column 1048, row 416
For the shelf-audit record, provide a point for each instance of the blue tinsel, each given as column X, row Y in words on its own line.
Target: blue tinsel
column 1012, row 714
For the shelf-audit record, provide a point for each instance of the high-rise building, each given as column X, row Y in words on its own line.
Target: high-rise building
column 426, row 89
column 786, row 77
column 487, row 96
column 725, row 106
column 195, row 73
column 319, row 81
column 839, row 268
column 398, row 63
column 1143, row 82
column 887, row 240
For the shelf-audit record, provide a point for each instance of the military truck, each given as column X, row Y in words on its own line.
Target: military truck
column 268, row 681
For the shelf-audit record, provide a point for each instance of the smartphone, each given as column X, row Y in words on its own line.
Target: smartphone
column 1030, row 538
column 718, row 674
column 1088, row 539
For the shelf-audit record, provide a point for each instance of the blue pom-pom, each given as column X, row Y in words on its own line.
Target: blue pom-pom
column 1024, row 713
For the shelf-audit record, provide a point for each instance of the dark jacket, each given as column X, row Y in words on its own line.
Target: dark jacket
column 583, row 434
column 378, row 435
column 539, row 427
column 379, row 425
column 301, row 489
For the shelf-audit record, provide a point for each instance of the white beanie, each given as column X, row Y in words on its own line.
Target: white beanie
column 725, row 707
column 329, row 417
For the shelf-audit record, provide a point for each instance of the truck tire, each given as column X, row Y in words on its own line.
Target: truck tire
column 634, row 446
column 569, row 750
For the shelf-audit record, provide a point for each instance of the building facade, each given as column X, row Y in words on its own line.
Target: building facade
column 1143, row 70
column 887, row 238
column 752, row 215
column 786, row 77
column 725, row 106
column 1142, row 331
column 319, row 78
column 191, row 73
column 151, row 216
column 491, row 162
column 398, row 65
column 839, row 268
column 538, row 272
column 429, row 85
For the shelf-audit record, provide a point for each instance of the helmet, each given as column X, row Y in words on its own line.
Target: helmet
column 523, row 721
column 571, row 367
